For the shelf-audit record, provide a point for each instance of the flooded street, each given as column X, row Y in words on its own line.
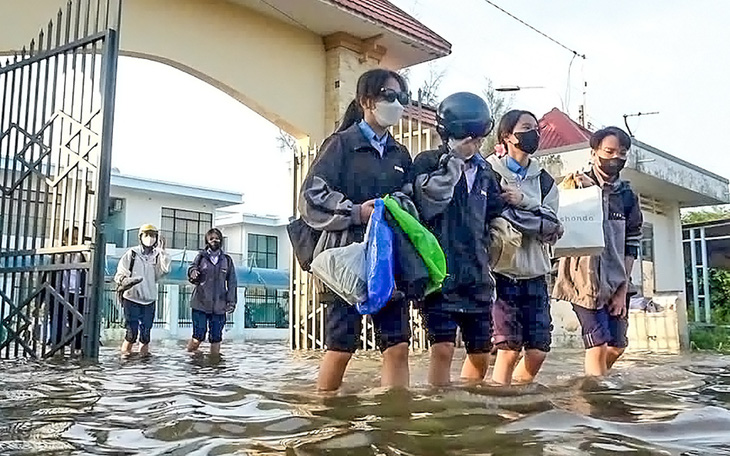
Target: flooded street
column 260, row 400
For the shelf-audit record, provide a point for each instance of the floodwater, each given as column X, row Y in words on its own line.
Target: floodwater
column 260, row 400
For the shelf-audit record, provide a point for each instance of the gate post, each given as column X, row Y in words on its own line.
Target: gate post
column 108, row 91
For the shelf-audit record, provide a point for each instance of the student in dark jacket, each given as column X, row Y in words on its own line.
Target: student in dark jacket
column 214, row 276
column 356, row 165
column 457, row 195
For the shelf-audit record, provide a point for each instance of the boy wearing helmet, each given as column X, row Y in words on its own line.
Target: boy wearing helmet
column 137, row 274
column 458, row 195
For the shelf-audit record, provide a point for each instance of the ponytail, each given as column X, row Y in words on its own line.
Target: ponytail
column 353, row 115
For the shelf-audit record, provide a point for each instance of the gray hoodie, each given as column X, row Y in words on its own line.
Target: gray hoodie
column 535, row 217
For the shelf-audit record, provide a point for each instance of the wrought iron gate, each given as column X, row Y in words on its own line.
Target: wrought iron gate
column 56, row 117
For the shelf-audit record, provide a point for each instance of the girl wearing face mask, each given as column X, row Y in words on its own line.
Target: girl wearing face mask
column 521, row 312
column 214, row 276
column 359, row 163
column 138, row 271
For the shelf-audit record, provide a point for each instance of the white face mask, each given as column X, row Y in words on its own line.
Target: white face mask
column 388, row 114
column 149, row 241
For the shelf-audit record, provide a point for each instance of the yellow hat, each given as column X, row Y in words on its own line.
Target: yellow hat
column 148, row 228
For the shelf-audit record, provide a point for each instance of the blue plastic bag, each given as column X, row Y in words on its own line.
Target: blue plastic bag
column 381, row 282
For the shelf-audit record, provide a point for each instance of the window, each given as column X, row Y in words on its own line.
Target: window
column 647, row 243
column 262, row 251
column 185, row 229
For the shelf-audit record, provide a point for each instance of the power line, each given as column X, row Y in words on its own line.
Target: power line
column 287, row 15
column 575, row 53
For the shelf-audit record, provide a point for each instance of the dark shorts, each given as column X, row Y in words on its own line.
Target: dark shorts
column 521, row 315
column 139, row 319
column 204, row 323
column 442, row 323
column 344, row 325
column 600, row 327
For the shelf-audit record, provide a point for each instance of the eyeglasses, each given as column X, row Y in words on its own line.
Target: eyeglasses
column 391, row 95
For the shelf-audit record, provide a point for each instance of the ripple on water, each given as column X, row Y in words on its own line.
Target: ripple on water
column 259, row 400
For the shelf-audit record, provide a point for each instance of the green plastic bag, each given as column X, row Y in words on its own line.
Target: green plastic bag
column 425, row 243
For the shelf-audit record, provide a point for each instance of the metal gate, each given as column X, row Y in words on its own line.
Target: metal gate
column 307, row 312
column 56, row 117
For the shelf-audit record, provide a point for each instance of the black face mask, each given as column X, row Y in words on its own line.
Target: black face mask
column 610, row 166
column 214, row 245
column 528, row 141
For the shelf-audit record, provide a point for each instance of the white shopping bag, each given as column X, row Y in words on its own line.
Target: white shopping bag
column 581, row 213
column 344, row 271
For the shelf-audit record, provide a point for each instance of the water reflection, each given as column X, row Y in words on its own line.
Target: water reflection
column 258, row 399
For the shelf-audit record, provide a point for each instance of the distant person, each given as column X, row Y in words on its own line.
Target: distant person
column 214, row 276
column 138, row 272
column 358, row 164
column 457, row 194
column 71, row 285
column 598, row 286
column 521, row 312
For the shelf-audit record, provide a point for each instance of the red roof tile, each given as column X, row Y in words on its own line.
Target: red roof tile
column 559, row 130
column 422, row 112
column 391, row 16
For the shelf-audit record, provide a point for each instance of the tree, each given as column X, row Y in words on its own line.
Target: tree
column 432, row 85
column 430, row 88
column 286, row 142
column 706, row 215
column 499, row 106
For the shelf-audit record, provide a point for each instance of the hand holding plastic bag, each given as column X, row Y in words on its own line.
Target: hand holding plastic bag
column 343, row 270
column 380, row 280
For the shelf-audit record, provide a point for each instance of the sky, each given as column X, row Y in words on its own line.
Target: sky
column 651, row 55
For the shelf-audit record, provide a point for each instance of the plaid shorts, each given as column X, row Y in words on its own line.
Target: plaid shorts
column 521, row 315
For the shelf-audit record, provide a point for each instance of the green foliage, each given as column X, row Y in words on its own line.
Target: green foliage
column 716, row 338
column 706, row 215
column 499, row 106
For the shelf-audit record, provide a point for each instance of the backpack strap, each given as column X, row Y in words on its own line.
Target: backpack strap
column 131, row 262
column 546, row 184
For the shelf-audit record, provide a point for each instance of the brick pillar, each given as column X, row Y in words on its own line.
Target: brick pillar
column 347, row 57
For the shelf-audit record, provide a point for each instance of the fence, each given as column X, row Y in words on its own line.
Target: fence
column 173, row 310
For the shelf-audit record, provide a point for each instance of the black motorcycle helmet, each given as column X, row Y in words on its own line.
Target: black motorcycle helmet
column 463, row 115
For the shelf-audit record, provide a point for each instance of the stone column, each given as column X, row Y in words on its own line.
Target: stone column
column 347, row 57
